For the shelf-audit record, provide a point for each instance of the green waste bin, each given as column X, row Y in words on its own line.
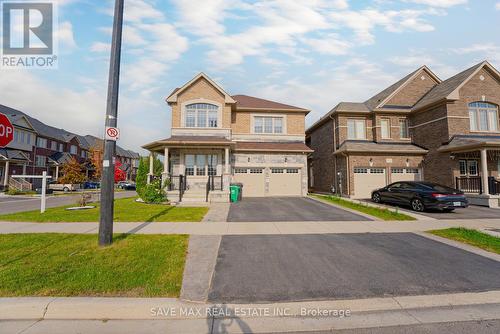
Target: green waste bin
column 234, row 192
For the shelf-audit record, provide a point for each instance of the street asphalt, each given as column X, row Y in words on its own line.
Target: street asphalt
column 271, row 268
column 274, row 209
column 13, row 204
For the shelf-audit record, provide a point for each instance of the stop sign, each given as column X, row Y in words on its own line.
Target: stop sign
column 6, row 131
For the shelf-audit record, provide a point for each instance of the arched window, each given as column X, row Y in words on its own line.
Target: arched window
column 201, row 115
column 483, row 117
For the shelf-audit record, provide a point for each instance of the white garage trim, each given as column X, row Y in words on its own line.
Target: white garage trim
column 269, row 181
column 405, row 174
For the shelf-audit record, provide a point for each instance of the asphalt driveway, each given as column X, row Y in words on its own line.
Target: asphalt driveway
column 265, row 268
column 272, row 209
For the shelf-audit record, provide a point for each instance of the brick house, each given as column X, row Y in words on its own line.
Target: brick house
column 39, row 147
column 420, row 128
column 218, row 139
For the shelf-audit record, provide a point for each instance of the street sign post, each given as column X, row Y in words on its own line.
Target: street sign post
column 44, row 178
column 108, row 170
column 6, row 131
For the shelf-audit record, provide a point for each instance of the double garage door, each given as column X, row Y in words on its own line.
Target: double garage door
column 368, row 179
column 260, row 182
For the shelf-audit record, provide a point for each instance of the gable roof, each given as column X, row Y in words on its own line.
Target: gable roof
column 449, row 88
column 384, row 96
column 250, row 102
column 173, row 96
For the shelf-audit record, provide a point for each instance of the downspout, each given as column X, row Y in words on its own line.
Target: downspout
column 335, row 183
column 348, row 174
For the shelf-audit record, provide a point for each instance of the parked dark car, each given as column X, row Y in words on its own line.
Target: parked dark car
column 421, row 196
column 129, row 186
column 91, row 185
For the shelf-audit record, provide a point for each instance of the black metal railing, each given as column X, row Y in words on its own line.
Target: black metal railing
column 471, row 184
column 494, row 186
column 214, row 182
column 177, row 182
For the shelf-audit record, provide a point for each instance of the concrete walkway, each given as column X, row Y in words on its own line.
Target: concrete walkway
column 224, row 228
column 59, row 315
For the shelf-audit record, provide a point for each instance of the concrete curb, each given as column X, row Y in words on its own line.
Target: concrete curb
column 104, row 308
column 344, row 208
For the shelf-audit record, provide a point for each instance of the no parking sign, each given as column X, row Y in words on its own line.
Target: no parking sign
column 112, row 133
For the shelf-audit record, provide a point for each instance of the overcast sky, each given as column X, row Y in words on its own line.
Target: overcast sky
column 308, row 53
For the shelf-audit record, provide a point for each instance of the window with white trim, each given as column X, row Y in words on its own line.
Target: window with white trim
column 53, row 145
column 73, row 149
column 200, row 164
column 201, row 115
column 356, row 129
column 277, row 170
column 40, row 161
column 468, row 167
column 385, row 128
column 240, row 171
column 404, row 131
column 397, row 170
column 256, row 170
column 292, row 170
column 268, row 125
column 41, row 142
column 483, row 117
column 60, row 148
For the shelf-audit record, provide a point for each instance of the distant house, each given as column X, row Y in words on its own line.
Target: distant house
column 39, row 147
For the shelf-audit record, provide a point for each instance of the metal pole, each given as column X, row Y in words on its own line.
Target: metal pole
column 108, row 170
column 44, row 190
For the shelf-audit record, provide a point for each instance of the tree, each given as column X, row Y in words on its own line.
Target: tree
column 96, row 159
column 72, row 172
column 120, row 174
column 141, row 179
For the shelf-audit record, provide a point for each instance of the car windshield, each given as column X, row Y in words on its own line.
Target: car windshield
column 437, row 187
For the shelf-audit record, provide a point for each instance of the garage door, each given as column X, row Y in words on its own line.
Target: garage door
column 368, row 179
column 405, row 174
column 285, row 182
column 253, row 180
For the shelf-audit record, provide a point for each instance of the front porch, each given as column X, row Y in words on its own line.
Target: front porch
column 476, row 168
column 196, row 169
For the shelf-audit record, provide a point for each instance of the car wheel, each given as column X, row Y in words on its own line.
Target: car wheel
column 376, row 198
column 448, row 210
column 417, row 205
column 65, row 189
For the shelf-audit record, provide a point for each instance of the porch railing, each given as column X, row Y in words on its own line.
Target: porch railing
column 214, row 183
column 177, row 182
column 469, row 184
column 494, row 186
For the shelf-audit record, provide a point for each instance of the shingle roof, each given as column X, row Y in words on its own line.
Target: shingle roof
column 13, row 154
column 370, row 147
column 60, row 157
column 249, row 102
column 273, row 146
column 445, row 88
column 352, row 106
column 470, row 141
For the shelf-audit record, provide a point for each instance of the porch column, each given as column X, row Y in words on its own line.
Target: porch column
column 151, row 169
column 57, row 172
column 226, row 165
column 24, row 169
column 484, row 170
column 6, row 176
column 165, row 173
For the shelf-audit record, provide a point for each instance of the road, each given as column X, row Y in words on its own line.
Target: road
column 13, row 204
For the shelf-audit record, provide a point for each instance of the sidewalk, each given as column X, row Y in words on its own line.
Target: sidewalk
column 225, row 228
column 256, row 318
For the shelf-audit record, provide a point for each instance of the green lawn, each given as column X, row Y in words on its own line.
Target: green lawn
column 73, row 265
column 384, row 214
column 126, row 210
column 471, row 237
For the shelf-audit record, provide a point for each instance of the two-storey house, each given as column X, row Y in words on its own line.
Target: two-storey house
column 218, row 139
column 420, row 128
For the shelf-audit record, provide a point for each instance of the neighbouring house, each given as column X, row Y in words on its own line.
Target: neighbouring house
column 38, row 147
column 218, row 139
column 420, row 128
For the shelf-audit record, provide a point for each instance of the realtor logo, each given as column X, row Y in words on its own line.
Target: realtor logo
column 28, row 34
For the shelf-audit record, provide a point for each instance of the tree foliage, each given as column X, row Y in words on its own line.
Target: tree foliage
column 96, row 153
column 120, row 174
column 72, row 172
column 141, row 179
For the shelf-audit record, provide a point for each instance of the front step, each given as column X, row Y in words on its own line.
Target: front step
column 194, row 196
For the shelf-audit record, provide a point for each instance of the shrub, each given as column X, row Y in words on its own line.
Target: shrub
column 153, row 192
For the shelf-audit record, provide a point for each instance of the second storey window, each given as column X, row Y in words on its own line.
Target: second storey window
column 41, row 142
column 356, row 129
column 265, row 124
column 73, row 149
column 404, row 131
column 201, row 115
column 483, row 117
column 60, row 148
column 53, row 146
column 40, row 161
column 385, row 128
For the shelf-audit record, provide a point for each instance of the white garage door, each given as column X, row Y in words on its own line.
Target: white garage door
column 368, row 179
column 285, row 182
column 405, row 174
column 253, row 180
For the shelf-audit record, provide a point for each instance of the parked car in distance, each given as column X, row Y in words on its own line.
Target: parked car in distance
column 66, row 187
column 421, row 196
column 129, row 186
column 91, row 185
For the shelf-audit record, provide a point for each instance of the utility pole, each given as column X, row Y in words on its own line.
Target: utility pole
column 108, row 167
